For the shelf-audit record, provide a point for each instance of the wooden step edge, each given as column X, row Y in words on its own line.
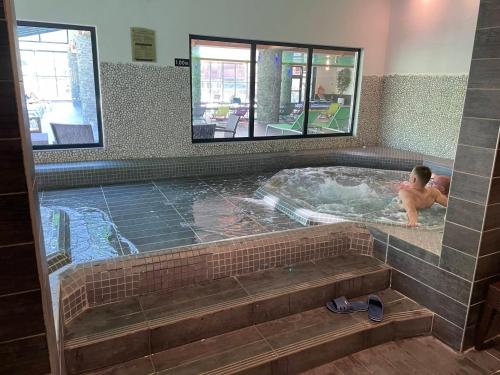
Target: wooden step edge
column 200, row 312
column 294, row 348
column 106, row 335
column 196, row 313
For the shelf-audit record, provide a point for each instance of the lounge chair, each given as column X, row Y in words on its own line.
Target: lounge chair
column 339, row 122
column 230, row 129
column 331, row 110
column 294, row 127
column 67, row 134
column 221, row 113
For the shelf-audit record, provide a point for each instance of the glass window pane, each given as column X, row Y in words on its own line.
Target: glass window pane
column 61, row 64
column 59, row 83
column 45, row 65
column 28, row 63
column 216, row 70
column 229, row 71
column 57, row 36
column 332, row 91
column 279, row 103
column 241, row 72
column 47, row 88
column 64, row 88
column 205, row 70
column 220, row 103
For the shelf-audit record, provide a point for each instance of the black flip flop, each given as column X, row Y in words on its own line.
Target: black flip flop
column 341, row 305
column 375, row 308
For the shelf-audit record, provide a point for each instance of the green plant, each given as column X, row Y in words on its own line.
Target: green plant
column 344, row 78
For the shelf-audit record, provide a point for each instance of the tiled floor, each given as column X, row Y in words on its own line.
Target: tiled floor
column 423, row 355
column 114, row 220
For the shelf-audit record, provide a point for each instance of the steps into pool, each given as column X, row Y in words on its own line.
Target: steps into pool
column 266, row 322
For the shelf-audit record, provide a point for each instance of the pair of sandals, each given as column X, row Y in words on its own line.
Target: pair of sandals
column 374, row 306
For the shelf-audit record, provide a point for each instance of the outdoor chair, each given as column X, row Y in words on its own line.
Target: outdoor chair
column 229, row 129
column 68, row 134
column 295, row 126
column 339, row 122
column 221, row 113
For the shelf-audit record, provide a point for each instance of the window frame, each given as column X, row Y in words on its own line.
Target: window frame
column 253, row 49
column 97, row 86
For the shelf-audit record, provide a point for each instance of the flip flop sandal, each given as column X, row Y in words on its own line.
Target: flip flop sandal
column 375, row 308
column 341, row 305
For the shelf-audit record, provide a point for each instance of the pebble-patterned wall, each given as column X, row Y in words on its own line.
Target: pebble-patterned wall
column 146, row 113
column 422, row 113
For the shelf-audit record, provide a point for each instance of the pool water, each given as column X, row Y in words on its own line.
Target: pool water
column 335, row 194
column 115, row 220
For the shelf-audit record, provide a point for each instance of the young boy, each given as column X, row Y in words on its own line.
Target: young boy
column 417, row 195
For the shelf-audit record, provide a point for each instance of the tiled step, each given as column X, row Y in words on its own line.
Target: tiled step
column 120, row 332
column 288, row 345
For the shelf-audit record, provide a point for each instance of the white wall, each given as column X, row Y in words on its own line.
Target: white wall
column 356, row 23
column 431, row 36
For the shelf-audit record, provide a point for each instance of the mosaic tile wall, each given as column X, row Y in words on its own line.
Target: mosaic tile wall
column 100, row 282
column 146, row 113
column 422, row 113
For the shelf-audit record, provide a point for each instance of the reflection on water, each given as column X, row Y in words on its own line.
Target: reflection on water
column 92, row 233
column 113, row 220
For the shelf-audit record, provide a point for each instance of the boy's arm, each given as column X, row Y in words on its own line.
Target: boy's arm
column 409, row 206
column 441, row 198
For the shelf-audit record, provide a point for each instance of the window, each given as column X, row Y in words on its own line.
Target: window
column 61, row 84
column 220, row 89
column 332, row 92
column 279, row 106
column 248, row 90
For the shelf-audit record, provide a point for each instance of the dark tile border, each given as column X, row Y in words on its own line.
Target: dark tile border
column 58, row 175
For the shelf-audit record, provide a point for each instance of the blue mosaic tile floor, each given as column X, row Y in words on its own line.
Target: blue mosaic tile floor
column 114, row 220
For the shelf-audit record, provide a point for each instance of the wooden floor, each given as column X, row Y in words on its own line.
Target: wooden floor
column 422, row 355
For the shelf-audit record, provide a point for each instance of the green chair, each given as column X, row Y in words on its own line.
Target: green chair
column 334, row 107
column 294, row 127
column 221, row 113
column 339, row 122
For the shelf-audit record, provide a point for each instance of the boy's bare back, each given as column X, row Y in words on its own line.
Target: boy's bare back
column 423, row 198
column 418, row 195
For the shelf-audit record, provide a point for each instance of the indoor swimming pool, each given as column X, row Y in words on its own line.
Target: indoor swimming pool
column 101, row 222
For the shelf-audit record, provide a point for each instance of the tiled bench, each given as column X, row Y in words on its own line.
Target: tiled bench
column 60, row 175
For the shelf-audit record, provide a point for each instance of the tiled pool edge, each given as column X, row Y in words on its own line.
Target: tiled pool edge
column 65, row 175
column 96, row 283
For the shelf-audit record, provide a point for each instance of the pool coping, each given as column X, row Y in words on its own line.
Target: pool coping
column 87, row 173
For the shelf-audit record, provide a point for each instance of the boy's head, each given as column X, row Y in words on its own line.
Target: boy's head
column 420, row 175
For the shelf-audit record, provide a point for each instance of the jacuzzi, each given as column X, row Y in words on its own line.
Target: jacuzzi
column 340, row 194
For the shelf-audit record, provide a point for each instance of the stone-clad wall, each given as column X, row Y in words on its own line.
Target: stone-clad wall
column 422, row 113
column 146, row 113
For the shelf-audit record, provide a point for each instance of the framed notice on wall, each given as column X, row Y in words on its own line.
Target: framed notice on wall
column 143, row 44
